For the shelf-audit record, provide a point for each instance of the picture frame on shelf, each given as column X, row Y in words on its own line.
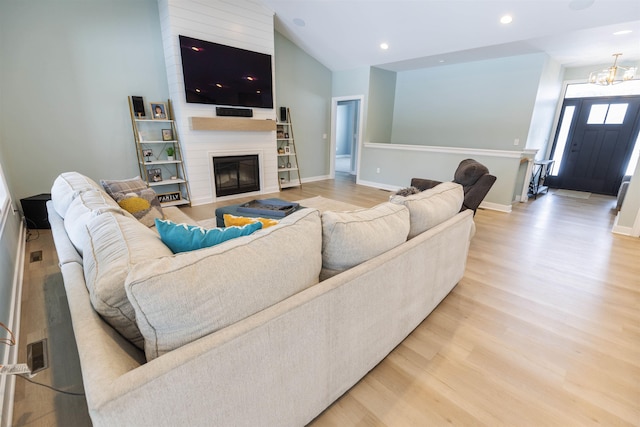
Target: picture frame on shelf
column 154, row 174
column 159, row 111
column 167, row 135
column 147, row 154
column 287, row 149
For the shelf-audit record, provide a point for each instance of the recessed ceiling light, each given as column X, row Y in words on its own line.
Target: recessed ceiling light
column 506, row 19
column 299, row 22
column 384, row 46
column 620, row 33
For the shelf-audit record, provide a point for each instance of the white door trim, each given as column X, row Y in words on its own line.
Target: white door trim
column 332, row 146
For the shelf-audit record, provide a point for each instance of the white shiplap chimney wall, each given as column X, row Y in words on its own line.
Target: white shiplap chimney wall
column 246, row 24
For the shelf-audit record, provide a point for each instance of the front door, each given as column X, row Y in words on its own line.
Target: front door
column 599, row 144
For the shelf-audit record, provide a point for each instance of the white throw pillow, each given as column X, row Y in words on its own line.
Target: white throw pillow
column 431, row 207
column 352, row 237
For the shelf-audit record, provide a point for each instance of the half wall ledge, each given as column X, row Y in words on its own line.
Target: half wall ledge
column 232, row 123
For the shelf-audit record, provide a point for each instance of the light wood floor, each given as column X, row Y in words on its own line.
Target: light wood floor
column 543, row 330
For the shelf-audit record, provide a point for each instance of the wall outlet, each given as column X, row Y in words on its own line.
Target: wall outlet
column 516, row 141
column 377, row 170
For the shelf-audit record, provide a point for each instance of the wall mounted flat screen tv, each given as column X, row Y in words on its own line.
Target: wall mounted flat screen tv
column 225, row 75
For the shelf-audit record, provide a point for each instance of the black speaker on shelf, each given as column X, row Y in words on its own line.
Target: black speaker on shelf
column 283, row 114
column 34, row 209
column 234, row 112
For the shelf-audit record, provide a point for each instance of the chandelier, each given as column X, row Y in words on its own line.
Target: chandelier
column 610, row 75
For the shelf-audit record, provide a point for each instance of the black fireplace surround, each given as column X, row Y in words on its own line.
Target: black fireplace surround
column 236, row 174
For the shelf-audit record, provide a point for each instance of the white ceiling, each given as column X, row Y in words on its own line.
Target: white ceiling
column 346, row 34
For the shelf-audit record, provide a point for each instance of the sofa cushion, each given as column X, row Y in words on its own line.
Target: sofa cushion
column 431, row 207
column 115, row 244
column 192, row 294
column 82, row 209
column 113, row 186
column 66, row 188
column 185, row 237
column 142, row 204
column 350, row 238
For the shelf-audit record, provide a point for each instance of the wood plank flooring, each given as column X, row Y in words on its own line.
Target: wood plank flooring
column 543, row 330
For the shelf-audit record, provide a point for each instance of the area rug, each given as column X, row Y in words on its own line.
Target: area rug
column 324, row 204
column 572, row 193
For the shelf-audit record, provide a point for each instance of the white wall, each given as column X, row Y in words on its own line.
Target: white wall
column 245, row 24
column 542, row 120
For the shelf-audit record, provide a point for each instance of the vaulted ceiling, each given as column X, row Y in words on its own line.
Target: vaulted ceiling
column 346, row 34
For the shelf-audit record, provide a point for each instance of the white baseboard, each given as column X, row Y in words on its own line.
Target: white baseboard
column 316, row 178
column 495, row 207
column 619, row 229
column 379, row 185
column 8, row 382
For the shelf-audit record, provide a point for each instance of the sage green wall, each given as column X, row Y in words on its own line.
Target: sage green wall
column 351, row 82
column 304, row 85
column 68, row 67
column 484, row 104
column 382, row 90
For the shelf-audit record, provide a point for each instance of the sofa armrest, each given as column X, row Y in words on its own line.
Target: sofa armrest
column 424, row 184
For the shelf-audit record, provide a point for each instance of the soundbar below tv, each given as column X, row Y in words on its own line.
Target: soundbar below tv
column 225, row 75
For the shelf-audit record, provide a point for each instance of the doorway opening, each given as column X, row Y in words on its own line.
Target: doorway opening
column 597, row 140
column 346, row 134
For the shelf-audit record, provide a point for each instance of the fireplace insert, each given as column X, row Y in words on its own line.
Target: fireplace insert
column 236, row 174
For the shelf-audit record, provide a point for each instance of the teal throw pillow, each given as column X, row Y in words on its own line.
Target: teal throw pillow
column 184, row 238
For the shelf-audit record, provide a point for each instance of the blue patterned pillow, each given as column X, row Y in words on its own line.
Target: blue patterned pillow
column 184, row 238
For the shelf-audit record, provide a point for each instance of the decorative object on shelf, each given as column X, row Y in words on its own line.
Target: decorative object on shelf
column 161, row 136
column 289, row 164
column 287, row 150
column 154, row 174
column 286, row 135
column 610, row 75
column 170, row 153
column 280, row 150
column 147, row 155
column 159, row 111
column 169, row 197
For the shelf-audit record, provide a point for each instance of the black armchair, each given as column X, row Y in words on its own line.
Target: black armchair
column 474, row 178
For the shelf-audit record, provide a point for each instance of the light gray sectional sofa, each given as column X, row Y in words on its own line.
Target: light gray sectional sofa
column 263, row 330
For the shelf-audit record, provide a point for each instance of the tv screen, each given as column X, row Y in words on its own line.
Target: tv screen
column 225, row 75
